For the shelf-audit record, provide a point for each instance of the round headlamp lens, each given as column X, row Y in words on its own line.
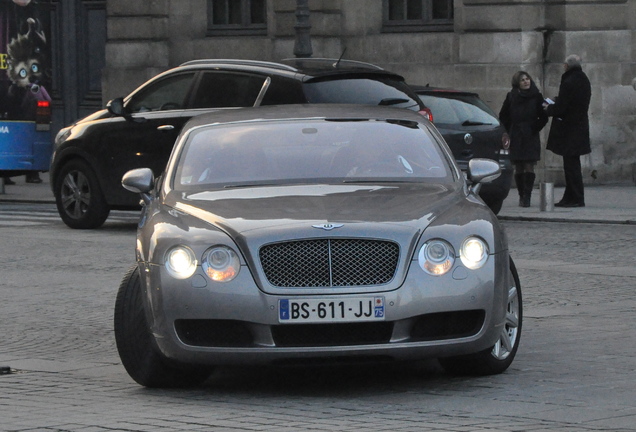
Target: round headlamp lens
column 180, row 262
column 474, row 253
column 221, row 263
column 436, row 257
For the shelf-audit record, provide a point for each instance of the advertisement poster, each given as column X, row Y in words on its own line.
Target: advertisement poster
column 25, row 80
column 25, row 68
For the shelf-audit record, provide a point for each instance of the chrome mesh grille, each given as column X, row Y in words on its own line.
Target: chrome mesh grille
column 329, row 263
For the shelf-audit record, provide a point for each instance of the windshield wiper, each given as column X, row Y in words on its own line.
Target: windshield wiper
column 474, row 123
column 248, row 185
column 392, row 101
column 374, row 181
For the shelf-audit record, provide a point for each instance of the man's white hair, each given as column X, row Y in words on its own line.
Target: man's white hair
column 573, row 60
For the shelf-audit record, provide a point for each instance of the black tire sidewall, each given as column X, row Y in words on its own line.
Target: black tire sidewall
column 98, row 209
column 137, row 348
column 492, row 365
column 484, row 362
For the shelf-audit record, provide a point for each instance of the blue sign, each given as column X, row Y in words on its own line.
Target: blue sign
column 22, row 147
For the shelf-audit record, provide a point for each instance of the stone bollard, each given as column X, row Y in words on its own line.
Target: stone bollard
column 546, row 191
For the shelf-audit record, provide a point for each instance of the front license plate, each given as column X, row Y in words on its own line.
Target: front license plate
column 331, row 310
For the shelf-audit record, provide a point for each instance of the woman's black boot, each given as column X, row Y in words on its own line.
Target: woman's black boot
column 519, row 182
column 528, row 185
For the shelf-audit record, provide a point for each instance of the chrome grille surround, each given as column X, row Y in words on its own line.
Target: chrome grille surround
column 323, row 263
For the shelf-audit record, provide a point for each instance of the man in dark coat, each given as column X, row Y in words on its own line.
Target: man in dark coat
column 569, row 134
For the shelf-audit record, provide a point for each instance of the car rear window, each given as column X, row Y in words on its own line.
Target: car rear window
column 309, row 152
column 367, row 91
column 459, row 109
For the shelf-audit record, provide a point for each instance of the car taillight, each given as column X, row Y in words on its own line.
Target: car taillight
column 426, row 112
column 505, row 141
column 43, row 116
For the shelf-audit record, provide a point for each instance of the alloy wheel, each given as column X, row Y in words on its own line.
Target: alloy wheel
column 510, row 332
column 76, row 194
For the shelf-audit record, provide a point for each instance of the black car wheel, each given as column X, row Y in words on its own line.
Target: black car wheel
column 497, row 358
column 80, row 201
column 136, row 345
column 494, row 204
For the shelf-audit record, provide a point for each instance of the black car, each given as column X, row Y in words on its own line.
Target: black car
column 472, row 130
column 91, row 156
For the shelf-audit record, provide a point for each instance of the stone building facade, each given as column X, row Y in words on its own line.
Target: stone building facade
column 479, row 48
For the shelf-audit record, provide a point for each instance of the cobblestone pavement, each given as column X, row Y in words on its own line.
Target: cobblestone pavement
column 574, row 371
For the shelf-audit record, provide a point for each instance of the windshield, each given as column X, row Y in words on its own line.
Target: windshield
column 366, row 91
column 316, row 151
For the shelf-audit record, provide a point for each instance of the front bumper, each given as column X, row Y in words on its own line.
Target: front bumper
column 196, row 321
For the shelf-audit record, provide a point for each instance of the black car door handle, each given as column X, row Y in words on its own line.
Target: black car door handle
column 165, row 128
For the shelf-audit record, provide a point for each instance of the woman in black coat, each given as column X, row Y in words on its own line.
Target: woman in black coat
column 523, row 116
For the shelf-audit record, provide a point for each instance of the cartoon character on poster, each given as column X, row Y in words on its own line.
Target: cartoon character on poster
column 25, row 59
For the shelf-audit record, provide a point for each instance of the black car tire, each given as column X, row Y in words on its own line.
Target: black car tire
column 496, row 359
column 136, row 345
column 494, row 205
column 79, row 198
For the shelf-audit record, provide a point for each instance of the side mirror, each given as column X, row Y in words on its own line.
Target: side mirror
column 483, row 170
column 116, row 107
column 141, row 181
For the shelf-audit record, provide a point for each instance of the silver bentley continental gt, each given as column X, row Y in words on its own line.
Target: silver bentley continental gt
column 300, row 232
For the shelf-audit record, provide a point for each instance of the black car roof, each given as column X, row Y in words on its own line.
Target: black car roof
column 310, row 67
column 306, row 111
column 238, row 62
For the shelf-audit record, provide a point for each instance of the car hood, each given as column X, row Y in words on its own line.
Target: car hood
column 254, row 210
column 254, row 217
column 100, row 114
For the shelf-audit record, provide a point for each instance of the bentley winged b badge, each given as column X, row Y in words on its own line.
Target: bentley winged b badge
column 328, row 226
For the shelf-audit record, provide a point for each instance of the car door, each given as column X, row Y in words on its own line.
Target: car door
column 147, row 135
column 158, row 112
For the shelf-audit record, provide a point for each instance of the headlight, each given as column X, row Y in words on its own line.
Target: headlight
column 436, row 257
column 221, row 263
column 474, row 253
column 180, row 262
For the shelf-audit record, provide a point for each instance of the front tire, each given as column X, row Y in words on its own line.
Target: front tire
column 79, row 198
column 136, row 345
column 499, row 357
column 495, row 206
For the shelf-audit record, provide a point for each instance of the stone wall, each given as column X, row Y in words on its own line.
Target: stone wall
column 491, row 40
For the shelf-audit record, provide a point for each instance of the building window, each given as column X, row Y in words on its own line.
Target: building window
column 231, row 17
column 417, row 15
